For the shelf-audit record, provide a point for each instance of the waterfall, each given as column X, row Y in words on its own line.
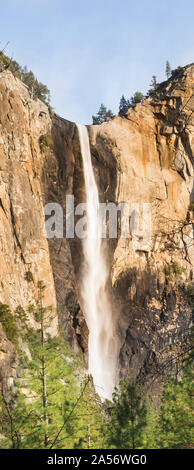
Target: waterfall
column 101, row 345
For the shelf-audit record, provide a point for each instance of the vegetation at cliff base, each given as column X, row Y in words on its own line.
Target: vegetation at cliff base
column 53, row 404
column 128, row 417
column 176, row 420
column 73, row 415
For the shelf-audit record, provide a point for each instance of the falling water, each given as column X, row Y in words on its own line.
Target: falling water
column 101, row 344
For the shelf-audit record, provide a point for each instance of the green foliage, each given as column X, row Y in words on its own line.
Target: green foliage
column 21, row 319
column 125, row 104
column 191, row 207
column 45, row 141
column 74, row 417
column 89, row 419
column 174, row 270
column 61, row 388
column 9, row 324
column 128, row 417
column 26, row 406
column 37, row 89
column 176, row 414
column 47, row 406
column 13, row 419
column 152, row 426
column 103, row 115
column 45, row 392
column 52, row 405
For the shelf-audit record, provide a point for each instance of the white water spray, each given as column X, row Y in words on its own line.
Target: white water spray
column 102, row 350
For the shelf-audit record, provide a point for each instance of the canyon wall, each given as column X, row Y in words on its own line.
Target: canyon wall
column 144, row 159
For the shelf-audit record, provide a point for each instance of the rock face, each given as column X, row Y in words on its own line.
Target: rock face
column 24, row 254
column 144, row 159
column 148, row 157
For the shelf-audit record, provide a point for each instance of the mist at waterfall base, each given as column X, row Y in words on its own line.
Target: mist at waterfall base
column 102, row 346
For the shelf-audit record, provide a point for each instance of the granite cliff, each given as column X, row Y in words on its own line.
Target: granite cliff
column 145, row 159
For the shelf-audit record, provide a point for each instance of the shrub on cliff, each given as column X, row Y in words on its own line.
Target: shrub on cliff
column 45, row 141
column 174, row 270
column 8, row 323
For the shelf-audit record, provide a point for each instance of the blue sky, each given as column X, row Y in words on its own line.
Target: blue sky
column 91, row 52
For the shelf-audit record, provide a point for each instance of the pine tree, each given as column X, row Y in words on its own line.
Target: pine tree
column 51, row 378
column 168, row 69
column 128, row 417
column 102, row 115
column 123, row 106
column 153, row 84
column 89, row 419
